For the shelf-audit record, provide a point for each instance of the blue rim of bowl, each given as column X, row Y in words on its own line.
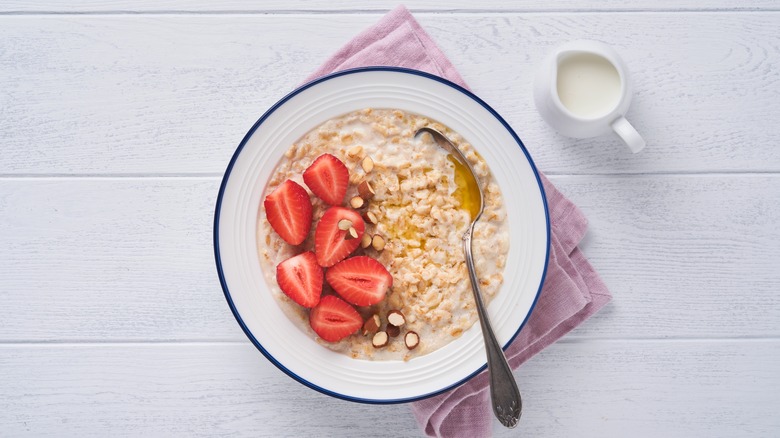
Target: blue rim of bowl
column 227, row 176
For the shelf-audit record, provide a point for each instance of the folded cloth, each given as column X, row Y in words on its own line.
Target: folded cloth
column 572, row 290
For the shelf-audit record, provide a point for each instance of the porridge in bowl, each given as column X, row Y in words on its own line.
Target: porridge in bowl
column 360, row 235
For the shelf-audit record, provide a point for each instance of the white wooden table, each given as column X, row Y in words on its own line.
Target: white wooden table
column 118, row 117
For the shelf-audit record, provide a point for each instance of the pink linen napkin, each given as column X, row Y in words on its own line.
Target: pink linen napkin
column 572, row 290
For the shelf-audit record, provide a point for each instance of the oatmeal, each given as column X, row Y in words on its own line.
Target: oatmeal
column 416, row 206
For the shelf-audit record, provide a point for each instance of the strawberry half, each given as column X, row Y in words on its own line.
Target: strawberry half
column 360, row 280
column 300, row 278
column 288, row 209
column 330, row 243
column 328, row 178
column 333, row 319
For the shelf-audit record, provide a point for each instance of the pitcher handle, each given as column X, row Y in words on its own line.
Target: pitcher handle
column 633, row 140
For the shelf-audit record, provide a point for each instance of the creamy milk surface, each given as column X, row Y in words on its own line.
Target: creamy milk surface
column 588, row 85
column 421, row 216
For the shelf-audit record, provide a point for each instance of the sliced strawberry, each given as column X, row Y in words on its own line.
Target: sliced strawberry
column 288, row 209
column 360, row 280
column 330, row 243
column 333, row 319
column 300, row 278
column 328, row 178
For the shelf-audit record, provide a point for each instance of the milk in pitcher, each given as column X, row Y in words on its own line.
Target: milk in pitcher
column 588, row 85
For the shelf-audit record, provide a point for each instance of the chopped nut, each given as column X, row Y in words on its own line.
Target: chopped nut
column 355, row 151
column 412, row 340
column 366, row 241
column 378, row 242
column 356, row 202
column 372, row 325
column 351, row 234
column 370, row 218
column 396, row 318
column 367, row 164
column 345, row 224
column 392, row 330
column 380, row 340
column 365, row 190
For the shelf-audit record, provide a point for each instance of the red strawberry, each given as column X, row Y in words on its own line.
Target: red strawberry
column 360, row 280
column 330, row 243
column 328, row 178
column 288, row 209
column 333, row 319
column 300, row 278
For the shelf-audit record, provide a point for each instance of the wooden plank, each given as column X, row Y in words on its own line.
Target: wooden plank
column 111, row 259
column 683, row 256
column 588, row 389
column 131, row 258
column 244, row 6
column 174, row 94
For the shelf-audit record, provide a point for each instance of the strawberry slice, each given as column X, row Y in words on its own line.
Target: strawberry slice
column 288, row 209
column 328, row 178
column 330, row 243
column 360, row 280
column 300, row 278
column 333, row 319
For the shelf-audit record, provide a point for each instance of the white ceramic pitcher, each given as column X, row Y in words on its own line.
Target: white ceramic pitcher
column 582, row 90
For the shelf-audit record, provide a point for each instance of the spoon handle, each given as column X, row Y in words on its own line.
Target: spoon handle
column 504, row 395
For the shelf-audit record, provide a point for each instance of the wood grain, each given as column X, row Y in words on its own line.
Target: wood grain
column 171, row 94
column 595, row 389
column 111, row 259
column 683, row 256
column 340, row 6
column 131, row 258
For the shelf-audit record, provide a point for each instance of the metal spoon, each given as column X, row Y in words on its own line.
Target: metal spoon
column 504, row 394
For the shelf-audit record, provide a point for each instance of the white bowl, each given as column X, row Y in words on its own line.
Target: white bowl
column 240, row 194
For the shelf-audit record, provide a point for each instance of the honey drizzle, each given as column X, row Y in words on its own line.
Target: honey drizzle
column 467, row 190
